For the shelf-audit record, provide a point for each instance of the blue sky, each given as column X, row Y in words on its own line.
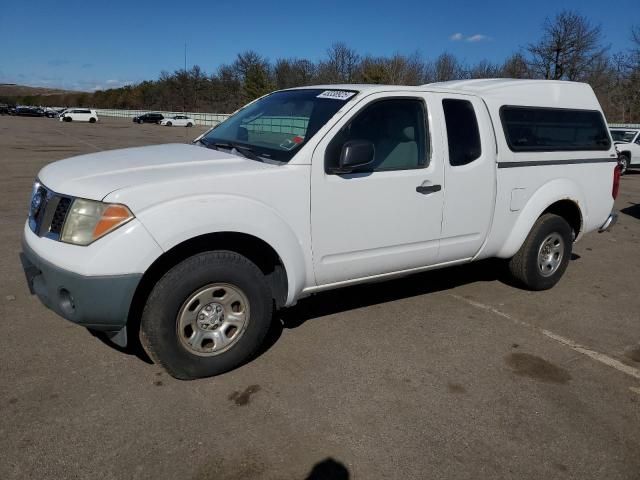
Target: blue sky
column 85, row 45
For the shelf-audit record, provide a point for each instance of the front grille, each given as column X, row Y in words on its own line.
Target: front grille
column 47, row 213
column 60, row 215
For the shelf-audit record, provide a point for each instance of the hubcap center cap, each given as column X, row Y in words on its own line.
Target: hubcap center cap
column 210, row 316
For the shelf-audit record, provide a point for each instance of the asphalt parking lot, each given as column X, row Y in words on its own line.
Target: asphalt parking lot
column 450, row 374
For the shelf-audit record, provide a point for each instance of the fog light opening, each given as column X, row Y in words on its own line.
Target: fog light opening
column 66, row 302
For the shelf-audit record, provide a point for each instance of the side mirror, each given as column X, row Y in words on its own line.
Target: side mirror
column 355, row 154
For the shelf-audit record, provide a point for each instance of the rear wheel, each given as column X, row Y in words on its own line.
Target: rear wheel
column 92, row 120
column 67, row 119
column 169, row 124
column 207, row 315
column 545, row 254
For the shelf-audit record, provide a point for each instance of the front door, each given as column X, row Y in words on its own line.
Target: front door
column 385, row 217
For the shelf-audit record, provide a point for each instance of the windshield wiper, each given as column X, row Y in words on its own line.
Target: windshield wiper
column 245, row 151
column 248, row 152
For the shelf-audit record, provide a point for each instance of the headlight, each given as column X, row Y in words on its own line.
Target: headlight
column 89, row 220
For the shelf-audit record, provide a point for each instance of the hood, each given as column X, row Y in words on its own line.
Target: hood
column 95, row 175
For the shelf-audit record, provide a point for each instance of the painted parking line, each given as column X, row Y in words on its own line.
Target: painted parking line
column 597, row 356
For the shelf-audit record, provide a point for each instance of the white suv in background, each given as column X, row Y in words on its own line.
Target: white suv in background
column 79, row 115
column 178, row 121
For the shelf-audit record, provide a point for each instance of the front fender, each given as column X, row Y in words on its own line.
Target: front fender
column 545, row 196
column 179, row 220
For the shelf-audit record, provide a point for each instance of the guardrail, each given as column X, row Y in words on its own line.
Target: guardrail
column 212, row 119
column 208, row 119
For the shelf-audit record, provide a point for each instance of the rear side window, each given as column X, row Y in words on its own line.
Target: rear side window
column 462, row 131
column 534, row 129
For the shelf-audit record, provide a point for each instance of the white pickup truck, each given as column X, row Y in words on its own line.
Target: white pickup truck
column 191, row 247
column 627, row 141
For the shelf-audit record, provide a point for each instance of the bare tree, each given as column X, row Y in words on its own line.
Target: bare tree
column 446, row 67
column 373, row 70
column 293, row 72
column 340, row 66
column 484, row 69
column 254, row 72
column 568, row 47
column 403, row 70
column 515, row 66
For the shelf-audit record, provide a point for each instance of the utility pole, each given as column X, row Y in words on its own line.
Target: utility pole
column 184, row 96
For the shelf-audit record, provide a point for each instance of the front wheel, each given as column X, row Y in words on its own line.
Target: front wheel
column 207, row 315
column 92, row 120
column 189, row 124
column 545, row 254
column 169, row 124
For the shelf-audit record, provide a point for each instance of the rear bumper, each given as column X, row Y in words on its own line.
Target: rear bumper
column 610, row 222
column 97, row 302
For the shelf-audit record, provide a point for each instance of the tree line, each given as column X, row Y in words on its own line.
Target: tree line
column 570, row 47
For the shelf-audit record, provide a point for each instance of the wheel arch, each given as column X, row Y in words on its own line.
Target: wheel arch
column 254, row 248
column 562, row 197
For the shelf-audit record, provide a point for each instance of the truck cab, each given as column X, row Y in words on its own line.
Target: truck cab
column 191, row 247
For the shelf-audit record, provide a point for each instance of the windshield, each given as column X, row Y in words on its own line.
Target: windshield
column 623, row 135
column 277, row 125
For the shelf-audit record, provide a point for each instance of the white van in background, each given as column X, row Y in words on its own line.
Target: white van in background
column 79, row 115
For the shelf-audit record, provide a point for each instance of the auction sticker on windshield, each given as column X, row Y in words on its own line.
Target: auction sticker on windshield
column 336, row 94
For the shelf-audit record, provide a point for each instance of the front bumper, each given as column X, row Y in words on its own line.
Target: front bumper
column 610, row 222
column 96, row 302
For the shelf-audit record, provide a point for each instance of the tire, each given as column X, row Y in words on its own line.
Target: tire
column 189, row 124
column 67, row 119
column 170, row 340
column 169, row 124
column 624, row 162
column 530, row 266
column 92, row 120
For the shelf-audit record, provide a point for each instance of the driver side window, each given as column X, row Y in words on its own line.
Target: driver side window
column 396, row 128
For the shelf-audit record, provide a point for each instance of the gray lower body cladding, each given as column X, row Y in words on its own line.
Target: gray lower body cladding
column 96, row 302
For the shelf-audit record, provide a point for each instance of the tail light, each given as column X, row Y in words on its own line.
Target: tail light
column 616, row 181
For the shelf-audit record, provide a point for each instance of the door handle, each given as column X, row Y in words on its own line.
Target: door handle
column 427, row 189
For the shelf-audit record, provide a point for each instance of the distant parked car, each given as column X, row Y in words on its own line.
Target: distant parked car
column 79, row 115
column 4, row 109
column 148, row 118
column 29, row 112
column 627, row 141
column 53, row 112
column 178, row 121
